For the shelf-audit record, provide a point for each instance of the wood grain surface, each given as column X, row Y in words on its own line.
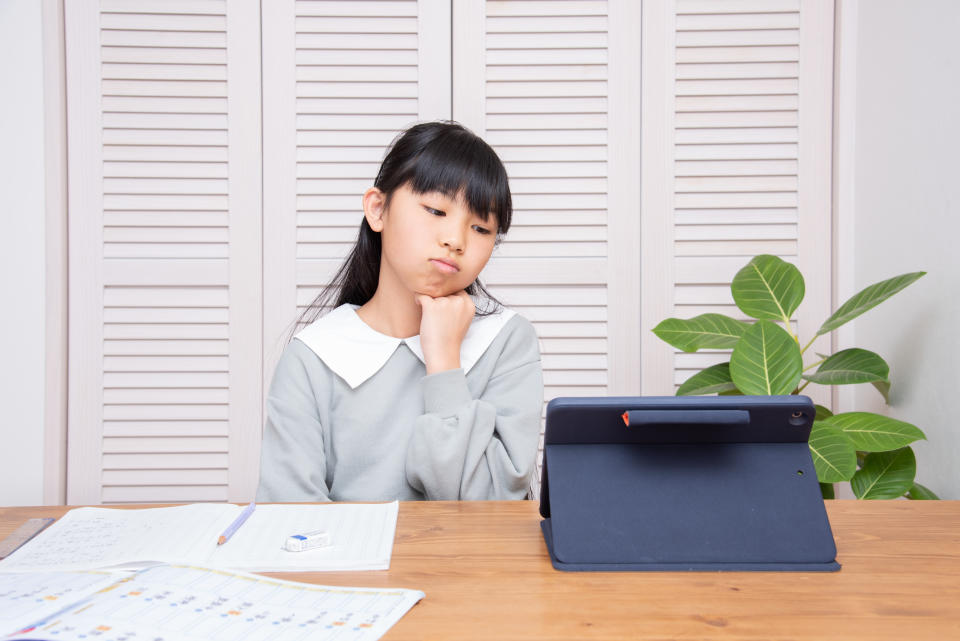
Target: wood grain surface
column 486, row 575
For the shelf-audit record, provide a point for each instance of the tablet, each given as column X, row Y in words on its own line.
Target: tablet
column 683, row 483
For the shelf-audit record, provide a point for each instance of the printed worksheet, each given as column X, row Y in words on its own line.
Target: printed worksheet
column 27, row 598
column 171, row 602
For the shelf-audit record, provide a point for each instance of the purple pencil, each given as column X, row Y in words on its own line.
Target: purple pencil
column 233, row 527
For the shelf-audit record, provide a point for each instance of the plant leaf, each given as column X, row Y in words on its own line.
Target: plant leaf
column 768, row 287
column 874, row 432
column 766, row 360
column 833, row 454
column 885, row 475
column 822, row 413
column 884, row 388
column 712, row 380
column 851, row 366
column 703, row 331
column 827, row 491
column 921, row 493
column 866, row 299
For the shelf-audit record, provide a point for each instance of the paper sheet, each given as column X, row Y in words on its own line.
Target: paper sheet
column 28, row 598
column 361, row 538
column 89, row 538
column 170, row 602
column 95, row 537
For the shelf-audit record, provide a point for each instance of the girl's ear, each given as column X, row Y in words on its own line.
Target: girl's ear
column 374, row 206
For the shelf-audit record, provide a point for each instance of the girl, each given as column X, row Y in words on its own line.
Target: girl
column 418, row 385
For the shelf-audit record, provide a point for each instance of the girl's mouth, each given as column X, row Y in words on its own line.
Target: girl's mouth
column 444, row 266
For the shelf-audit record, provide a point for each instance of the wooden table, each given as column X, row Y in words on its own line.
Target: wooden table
column 486, row 574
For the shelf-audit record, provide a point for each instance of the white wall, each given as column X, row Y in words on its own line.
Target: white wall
column 21, row 253
column 907, row 195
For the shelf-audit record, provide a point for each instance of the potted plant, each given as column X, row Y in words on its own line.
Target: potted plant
column 869, row 450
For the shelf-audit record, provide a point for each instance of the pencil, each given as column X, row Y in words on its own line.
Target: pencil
column 233, row 527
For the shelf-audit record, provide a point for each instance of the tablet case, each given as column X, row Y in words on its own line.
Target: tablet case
column 693, row 483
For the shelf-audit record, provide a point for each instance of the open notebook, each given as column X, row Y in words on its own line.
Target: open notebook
column 90, row 538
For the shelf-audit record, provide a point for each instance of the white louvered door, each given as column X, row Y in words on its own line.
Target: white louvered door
column 163, row 126
column 744, row 165
column 185, row 274
column 341, row 80
column 554, row 88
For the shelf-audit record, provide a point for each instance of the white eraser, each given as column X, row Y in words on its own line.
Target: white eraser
column 307, row 541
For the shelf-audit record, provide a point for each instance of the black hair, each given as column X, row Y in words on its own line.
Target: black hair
column 441, row 156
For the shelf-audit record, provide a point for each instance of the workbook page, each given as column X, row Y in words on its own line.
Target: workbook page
column 361, row 538
column 181, row 603
column 28, row 598
column 90, row 537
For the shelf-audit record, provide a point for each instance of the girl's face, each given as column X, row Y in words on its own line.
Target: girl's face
column 432, row 244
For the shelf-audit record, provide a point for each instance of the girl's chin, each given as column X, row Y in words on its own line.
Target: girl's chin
column 436, row 292
column 437, row 288
column 433, row 294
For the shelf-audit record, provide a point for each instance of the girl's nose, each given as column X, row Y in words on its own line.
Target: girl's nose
column 453, row 240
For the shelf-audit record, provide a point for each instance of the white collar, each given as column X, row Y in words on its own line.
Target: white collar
column 355, row 351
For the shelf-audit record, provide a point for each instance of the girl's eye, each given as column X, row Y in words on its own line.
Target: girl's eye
column 435, row 212
column 482, row 230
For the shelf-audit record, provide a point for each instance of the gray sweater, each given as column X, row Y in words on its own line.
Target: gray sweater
column 401, row 434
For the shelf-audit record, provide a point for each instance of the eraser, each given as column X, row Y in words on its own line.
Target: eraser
column 307, row 541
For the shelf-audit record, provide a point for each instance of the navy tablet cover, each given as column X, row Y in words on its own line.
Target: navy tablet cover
column 694, row 483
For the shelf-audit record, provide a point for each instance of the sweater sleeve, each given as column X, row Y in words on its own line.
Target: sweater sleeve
column 292, row 459
column 484, row 448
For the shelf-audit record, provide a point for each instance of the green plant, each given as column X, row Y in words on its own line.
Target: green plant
column 871, row 451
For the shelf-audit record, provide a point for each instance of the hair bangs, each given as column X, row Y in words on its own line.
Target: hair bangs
column 453, row 161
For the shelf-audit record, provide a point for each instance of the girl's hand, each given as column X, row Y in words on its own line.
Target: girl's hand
column 443, row 324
